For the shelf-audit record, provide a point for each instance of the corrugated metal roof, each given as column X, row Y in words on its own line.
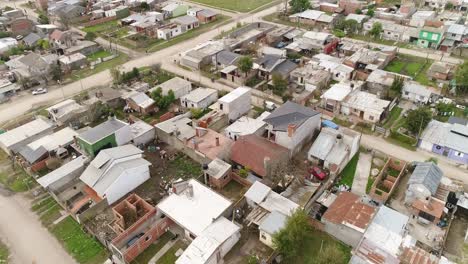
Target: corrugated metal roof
column 427, row 174
column 273, row 223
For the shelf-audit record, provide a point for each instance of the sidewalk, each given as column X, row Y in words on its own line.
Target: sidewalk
column 362, row 174
column 163, row 251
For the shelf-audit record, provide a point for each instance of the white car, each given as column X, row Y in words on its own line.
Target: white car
column 39, row 91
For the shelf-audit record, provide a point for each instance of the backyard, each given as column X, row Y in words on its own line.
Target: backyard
column 394, row 115
column 347, row 175
column 4, row 253
column 99, row 55
column 154, row 248
column 239, row 5
column 170, row 256
column 414, row 67
column 16, row 179
column 121, row 59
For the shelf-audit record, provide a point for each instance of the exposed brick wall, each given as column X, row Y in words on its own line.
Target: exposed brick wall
column 240, row 180
column 99, row 21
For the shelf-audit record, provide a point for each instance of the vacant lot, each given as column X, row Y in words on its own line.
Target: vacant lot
column 411, row 66
column 238, row 5
column 4, row 253
column 170, row 257
column 121, row 59
column 347, row 175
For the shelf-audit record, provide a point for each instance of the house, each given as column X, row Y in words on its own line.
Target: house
column 423, row 182
column 7, row 89
column 206, row 16
column 31, row 39
column 351, row 6
column 218, row 173
column 311, row 77
column 71, row 11
column 441, row 71
column 13, row 140
column 315, row 18
column 120, row 11
column 50, row 145
column 73, row 62
column 179, row 86
column 57, row 179
column 428, row 210
column 137, row 224
column 186, row 22
column 420, row 17
column 379, row 82
column 360, row 19
column 169, row 31
column 332, row 99
column 430, row 37
column 292, row 126
column 456, row 32
column 225, row 58
column 111, row 133
column 390, row 29
column 193, row 11
column 32, row 67
column 174, row 10
column 258, row 154
column 199, row 98
column 61, row 39
column 109, row 96
column 45, row 29
column 140, row 102
column 115, row 172
column 273, row 223
column 236, row 103
column 366, row 106
column 339, row 71
column 208, row 144
column 7, row 43
column 201, row 54
column 365, row 61
column 21, row 26
column 347, row 218
column 450, row 140
column 175, row 130
column 246, row 126
column 274, row 64
column 142, row 133
column 416, row 92
column 313, row 41
column 383, row 238
column 333, row 148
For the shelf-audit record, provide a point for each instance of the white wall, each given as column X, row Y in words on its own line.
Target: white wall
column 126, row 183
column 145, row 138
column 303, row 134
column 123, row 135
column 238, row 107
column 414, row 97
column 426, row 145
column 268, row 240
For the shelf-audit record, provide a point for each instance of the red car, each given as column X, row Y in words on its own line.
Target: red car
column 318, row 173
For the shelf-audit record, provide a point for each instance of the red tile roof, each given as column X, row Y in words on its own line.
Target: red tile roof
column 416, row 255
column 434, row 207
column 56, row 35
column 347, row 208
column 251, row 151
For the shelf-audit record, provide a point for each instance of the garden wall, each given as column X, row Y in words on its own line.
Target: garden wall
column 99, row 21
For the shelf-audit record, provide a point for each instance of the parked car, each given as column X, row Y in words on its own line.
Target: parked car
column 39, row 91
column 318, row 173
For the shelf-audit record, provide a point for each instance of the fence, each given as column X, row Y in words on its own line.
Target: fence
column 240, row 180
column 99, row 21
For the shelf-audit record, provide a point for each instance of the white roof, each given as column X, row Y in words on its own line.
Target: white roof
column 245, row 126
column 181, row 124
column 199, row 94
column 47, row 26
column 309, row 14
column 366, row 102
column 233, row 95
column 23, row 132
column 173, row 84
column 194, row 213
column 8, row 42
column 139, row 128
column 203, row 247
column 141, row 99
column 67, row 59
column 62, row 171
column 218, row 168
column 416, row 88
column 321, row 36
column 65, row 107
column 257, row 192
column 170, row 7
column 454, row 136
column 270, row 200
column 357, row 17
column 337, row 92
column 53, row 141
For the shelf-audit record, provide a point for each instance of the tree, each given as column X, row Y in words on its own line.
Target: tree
column 163, row 102
column 397, row 84
column 90, row 36
column 376, row 30
column 43, row 18
column 116, row 75
column 288, row 240
column 417, row 119
column 351, row 26
column 144, row 6
column 370, row 12
column 358, row 11
column 461, row 78
column 330, row 254
column 245, row 64
column 299, row 5
column 448, row 6
column 279, row 84
column 56, row 72
column 43, row 44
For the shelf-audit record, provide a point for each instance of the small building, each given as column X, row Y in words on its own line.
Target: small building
column 186, row 22
column 366, row 106
column 13, row 140
column 199, row 98
column 430, row 37
column 206, row 16
column 31, row 39
column 225, row 59
column 218, row 173
column 72, row 62
column 428, row 210
column 115, row 172
column 416, row 92
column 209, row 144
column 68, row 112
column 56, row 180
column 339, row 72
column 202, row 54
column 420, row 17
column 332, row 99
column 236, row 103
column 169, row 31
column 140, row 102
column 292, row 126
column 423, row 182
column 347, row 218
column 247, row 126
column 258, row 154
column 84, row 47
column 358, row 18
column 174, row 10
column 315, row 18
column 311, row 77
column 272, row 224
column 274, row 64
column 179, row 86
column 333, row 149
column 379, row 82
column 441, row 71
column 111, row 133
column 142, row 133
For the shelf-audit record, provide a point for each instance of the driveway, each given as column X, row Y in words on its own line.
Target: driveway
column 28, row 241
column 362, row 174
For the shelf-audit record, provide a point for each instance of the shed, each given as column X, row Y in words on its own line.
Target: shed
column 423, row 182
column 272, row 224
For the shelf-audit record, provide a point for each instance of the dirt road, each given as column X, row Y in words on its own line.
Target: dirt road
column 27, row 240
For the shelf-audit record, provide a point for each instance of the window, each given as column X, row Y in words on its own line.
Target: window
column 406, row 93
column 435, row 37
column 424, row 34
column 371, row 117
column 454, row 35
column 225, row 176
column 220, row 106
column 148, row 238
column 459, row 154
column 192, row 236
column 421, row 97
column 263, row 236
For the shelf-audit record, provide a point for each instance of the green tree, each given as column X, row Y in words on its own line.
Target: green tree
column 370, row 12
column 330, row 254
column 288, row 240
column 376, row 29
column 43, row 18
column 448, row 6
column 397, row 84
column 351, row 26
column 245, row 64
column 279, row 84
column 358, row 11
column 144, row 6
column 299, row 5
column 56, row 72
column 43, row 44
column 116, row 75
column 461, row 78
column 417, row 119
column 90, row 36
column 163, row 102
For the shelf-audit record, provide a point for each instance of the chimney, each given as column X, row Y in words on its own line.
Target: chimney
column 217, row 141
column 427, row 204
column 189, row 191
column 75, row 140
column 291, row 130
column 339, row 139
column 266, row 165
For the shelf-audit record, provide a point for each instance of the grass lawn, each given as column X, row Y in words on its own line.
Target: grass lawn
column 121, row 59
column 319, row 240
column 99, row 55
column 84, row 248
column 347, row 175
column 233, row 190
column 4, row 253
column 411, row 66
column 341, row 122
column 185, row 167
column 402, row 140
column 394, row 115
column 170, row 257
column 370, row 182
column 17, row 180
column 154, row 248
column 238, row 5
column 100, row 28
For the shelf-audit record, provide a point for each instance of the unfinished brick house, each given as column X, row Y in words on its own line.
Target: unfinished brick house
column 385, row 184
column 137, row 224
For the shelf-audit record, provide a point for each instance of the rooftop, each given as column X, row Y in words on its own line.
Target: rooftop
column 25, row 131
column 427, row 174
column 63, row 171
column 454, row 136
column 218, row 168
column 194, row 208
column 337, row 92
column 64, row 108
column 53, row 141
column 245, row 126
column 289, row 113
column 103, row 130
column 270, row 200
column 367, row 102
column 273, row 223
column 199, row 94
column 236, row 93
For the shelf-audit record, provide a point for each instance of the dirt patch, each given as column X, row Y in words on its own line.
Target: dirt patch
column 248, row 245
column 456, row 237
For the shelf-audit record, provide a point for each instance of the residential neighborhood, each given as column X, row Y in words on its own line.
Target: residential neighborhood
column 237, row 132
